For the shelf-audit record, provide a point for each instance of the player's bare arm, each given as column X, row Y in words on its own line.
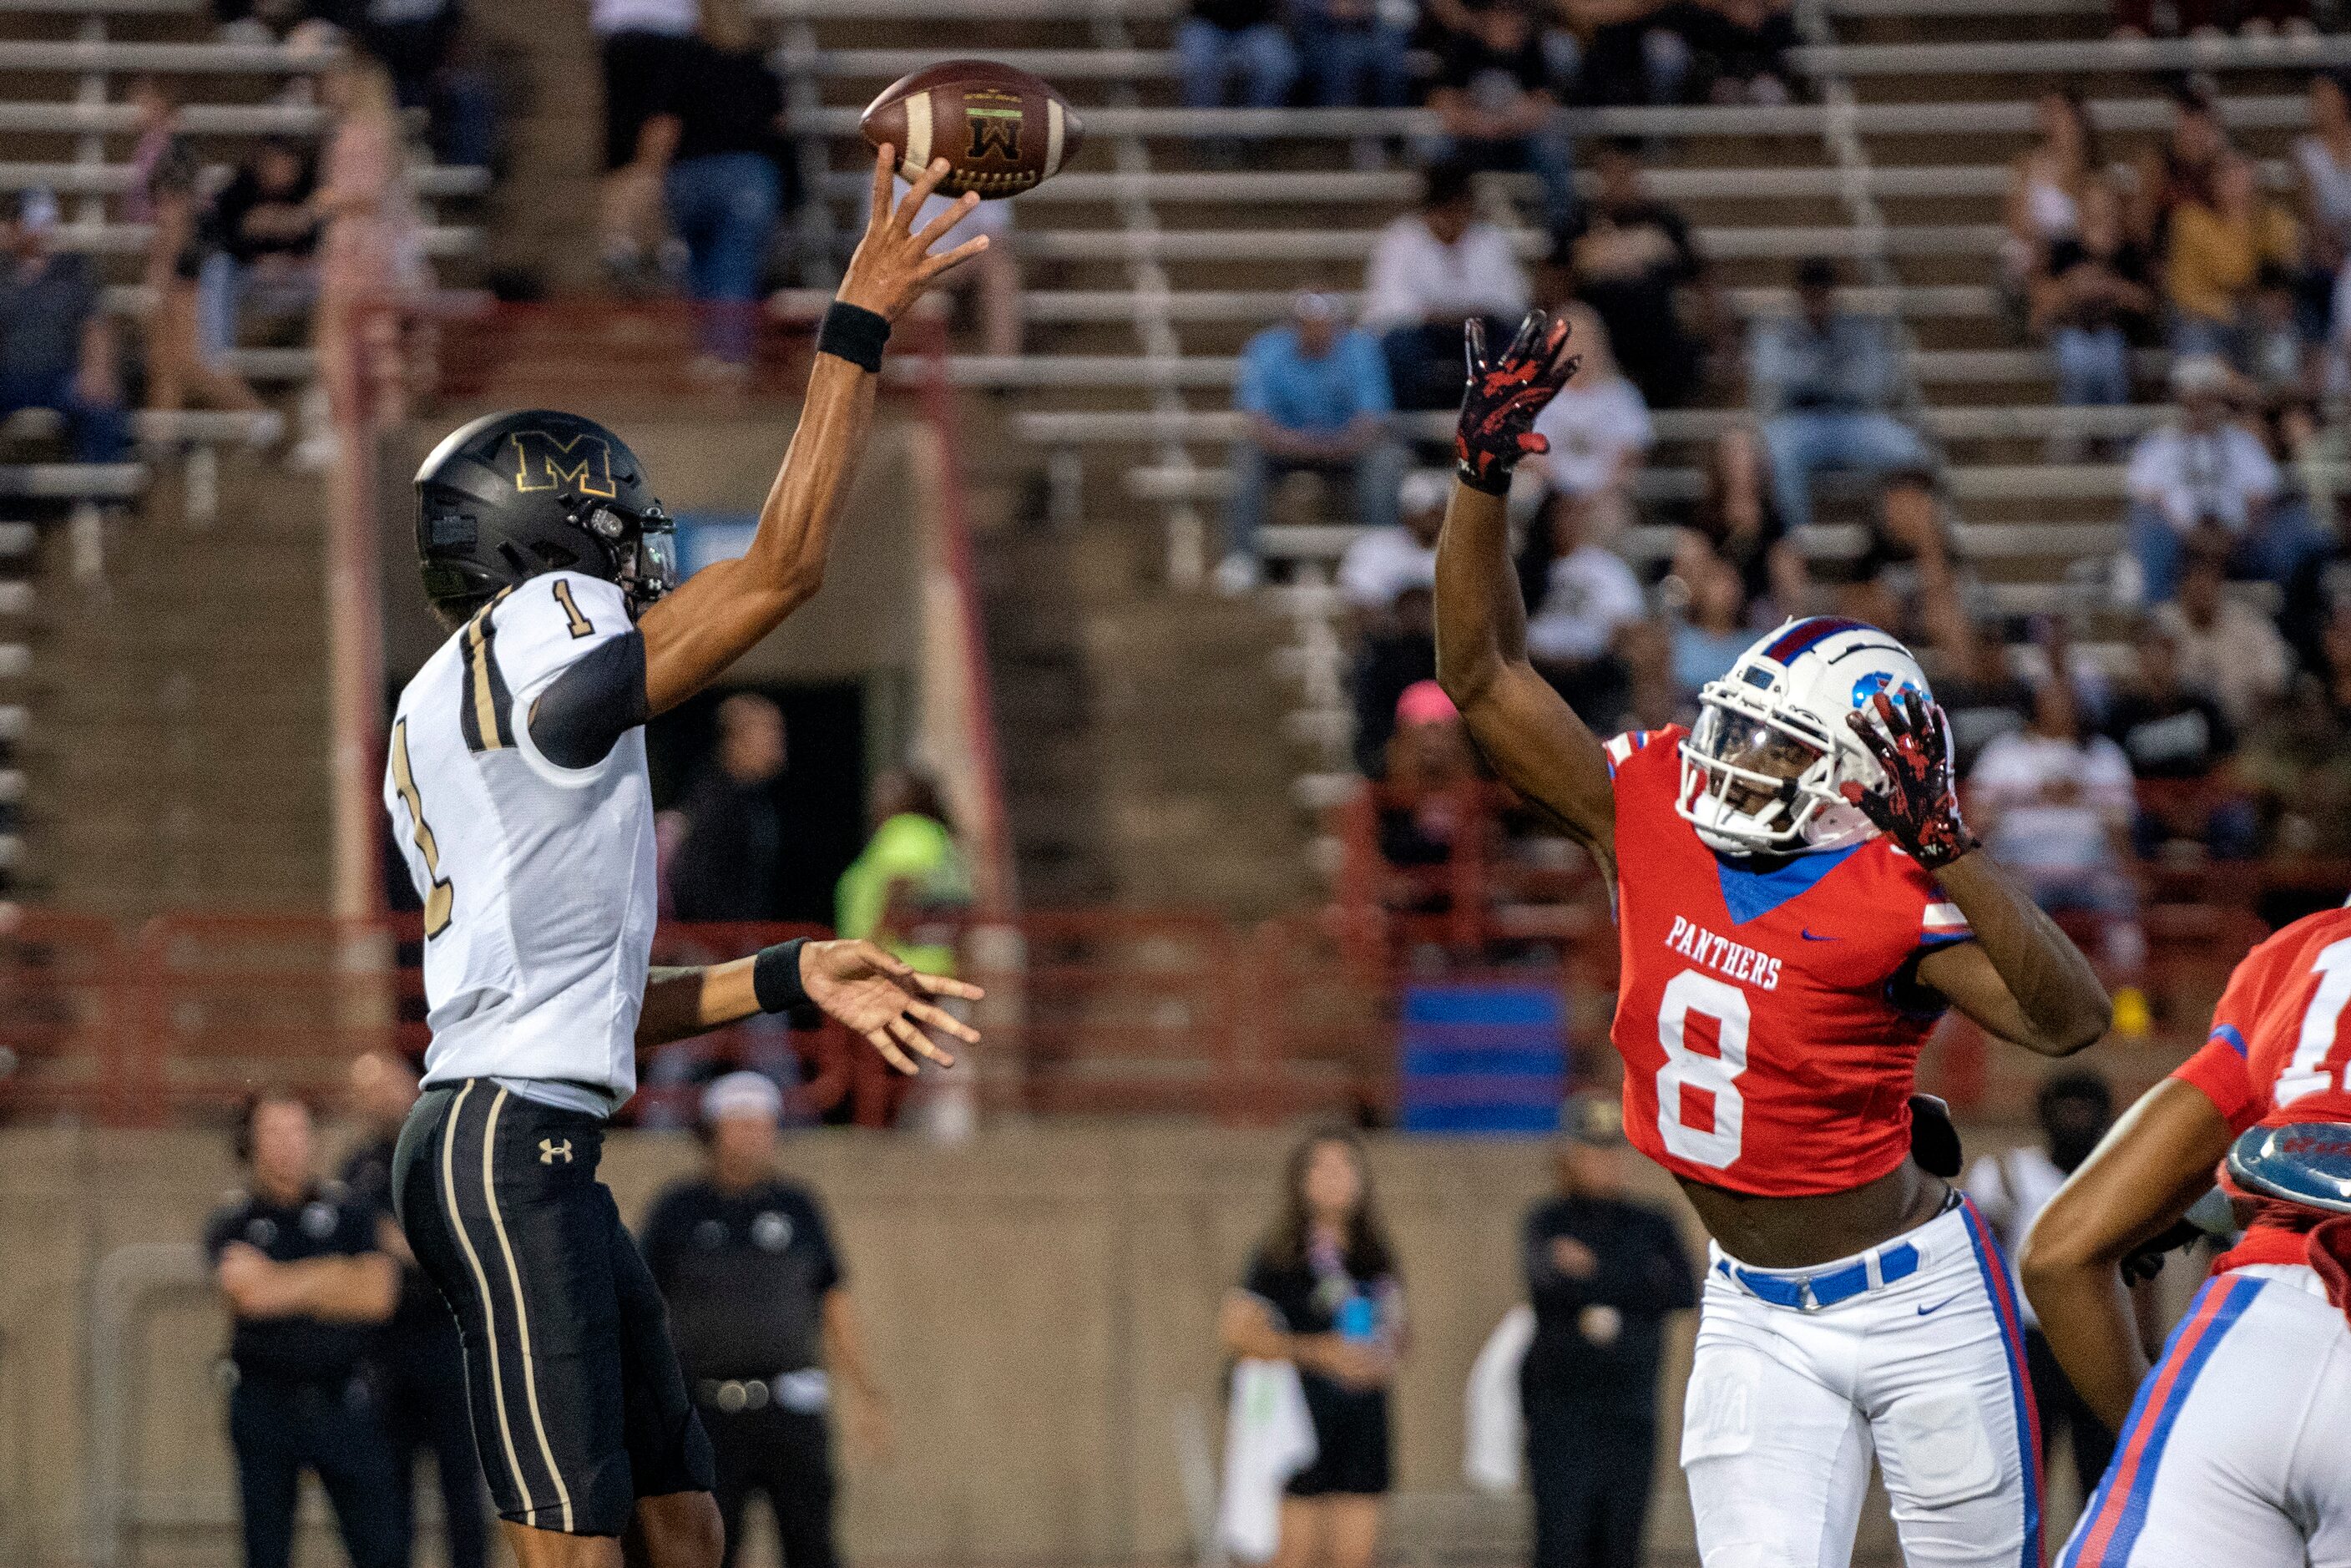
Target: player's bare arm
column 715, row 617
column 2020, row 978
column 2154, row 1163
column 857, row 983
column 1530, row 735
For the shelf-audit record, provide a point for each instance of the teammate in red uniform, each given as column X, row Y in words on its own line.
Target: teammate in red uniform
column 2237, row 1450
column 1797, row 899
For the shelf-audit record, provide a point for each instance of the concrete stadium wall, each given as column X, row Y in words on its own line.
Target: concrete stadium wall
column 1041, row 1303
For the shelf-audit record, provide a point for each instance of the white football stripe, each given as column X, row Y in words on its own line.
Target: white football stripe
column 1945, row 916
column 1053, row 133
column 918, row 134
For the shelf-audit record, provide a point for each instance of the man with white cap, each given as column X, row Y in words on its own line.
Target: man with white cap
column 56, row 347
column 2204, row 471
column 760, row 1312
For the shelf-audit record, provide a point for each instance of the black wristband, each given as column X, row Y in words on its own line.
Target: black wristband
column 776, row 977
column 1496, row 483
column 853, row 333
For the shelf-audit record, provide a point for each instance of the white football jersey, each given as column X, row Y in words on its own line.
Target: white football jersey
column 538, row 880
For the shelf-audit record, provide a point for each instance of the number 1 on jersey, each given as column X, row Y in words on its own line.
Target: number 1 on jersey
column 437, row 902
column 1690, row 992
column 2310, row 1072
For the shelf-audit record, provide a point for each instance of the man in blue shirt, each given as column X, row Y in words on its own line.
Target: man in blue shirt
column 1315, row 395
column 57, row 347
column 1823, row 380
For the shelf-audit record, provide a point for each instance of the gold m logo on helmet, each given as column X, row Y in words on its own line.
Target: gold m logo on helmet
column 549, row 1151
column 543, row 461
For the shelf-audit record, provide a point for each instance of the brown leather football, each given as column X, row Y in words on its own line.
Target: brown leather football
column 1002, row 129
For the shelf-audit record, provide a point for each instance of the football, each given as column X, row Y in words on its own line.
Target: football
column 1002, row 129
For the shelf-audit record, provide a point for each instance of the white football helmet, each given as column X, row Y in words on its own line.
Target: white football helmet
column 1760, row 770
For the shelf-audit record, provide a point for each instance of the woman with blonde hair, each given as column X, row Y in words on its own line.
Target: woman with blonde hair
column 1324, row 1292
column 371, row 242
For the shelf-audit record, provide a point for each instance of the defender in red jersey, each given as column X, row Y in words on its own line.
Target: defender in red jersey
column 1797, row 899
column 2230, row 1447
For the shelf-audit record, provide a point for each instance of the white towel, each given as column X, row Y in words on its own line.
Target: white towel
column 1493, row 1445
column 1269, row 1438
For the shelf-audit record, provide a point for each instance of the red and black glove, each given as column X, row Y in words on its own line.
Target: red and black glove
column 1498, row 410
column 1918, row 806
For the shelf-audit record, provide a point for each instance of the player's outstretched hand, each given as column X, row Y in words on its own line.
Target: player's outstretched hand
column 1505, row 393
column 863, row 985
column 893, row 264
column 1918, row 805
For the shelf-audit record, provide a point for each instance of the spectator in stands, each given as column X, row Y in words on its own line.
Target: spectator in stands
column 1742, row 48
column 1586, row 600
column 2322, row 165
column 305, row 24
column 1430, row 271
column 912, row 881
column 2055, row 807
column 1823, row 381
column 1325, row 1292
column 1982, row 694
column 2047, row 183
column 371, row 246
column 642, row 43
column 1710, row 631
column 2204, row 470
column 1314, row 393
column 156, row 112
column 1357, row 52
column 56, row 347
column 2178, row 743
column 1494, row 98
column 1735, row 518
column 2090, row 299
column 1614, row 52
column 1393, row 660
column 716, row 134
column 2297, row 763
column 1904, row 574
column 423, row 43
column 1600, row 433
column 1388, row 577
column 2213, row 258
column 1221, row 39
column 2181, row 168
column 181, row 234
column 268, row 236
column 1430, row 809
column 2222, row 643
column 1629, row 257
column 730, row 865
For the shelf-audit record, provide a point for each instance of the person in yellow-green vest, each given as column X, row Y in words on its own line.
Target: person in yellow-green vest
column 911, row 881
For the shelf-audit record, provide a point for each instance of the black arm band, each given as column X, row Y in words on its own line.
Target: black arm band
column 853, row 333
column 776, row 977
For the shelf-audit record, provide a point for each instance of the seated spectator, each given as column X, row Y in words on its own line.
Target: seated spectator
column 1742, row 48
column 2322, row 165
column 2277, row 361
column 424, row 45
column 1585, row 601
column 2297, row 758
column 1432, row 773
column 1628, row 257
column 717, row 137
column 2178, row 743
column 1982, row 694
column 1383, row 563
column 2222, row 643
column 2214, row 256
column 2204, row 470
column 1398, row 655
column 1315, row 396
column 1823, row 381
column 2046, row 184
column 1735, row 518
column 2183, row 168
column 181, row 234
column 911, row 885
column 1357, row 53
column 2090, row 299
column 1494, row 98
column 1600, row 433
column 267, row 235
column 1618, row 52
column 56, row 347
column 1430, row 271
column 371, row 246
column 1904, row 574
column 1711, row 630
column 639, row 44
column 2055, row 808
column 1221, row 39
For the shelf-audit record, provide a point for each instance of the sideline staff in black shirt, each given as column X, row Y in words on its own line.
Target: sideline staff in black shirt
column 307, row 1282
column 1604, row 1273
column 760, row 1313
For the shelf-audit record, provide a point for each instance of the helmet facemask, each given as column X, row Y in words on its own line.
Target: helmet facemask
column 643, row 546
column 1763, row 780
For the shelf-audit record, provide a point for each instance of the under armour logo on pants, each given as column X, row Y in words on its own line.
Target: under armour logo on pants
column 549, row 1151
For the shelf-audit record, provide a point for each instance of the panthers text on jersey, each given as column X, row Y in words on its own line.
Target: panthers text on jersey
column 1761, row 1015
column 2276, row 1044
column 538, row 880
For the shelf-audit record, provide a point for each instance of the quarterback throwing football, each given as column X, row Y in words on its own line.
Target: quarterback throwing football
column 517, row 790
column 1797, row 901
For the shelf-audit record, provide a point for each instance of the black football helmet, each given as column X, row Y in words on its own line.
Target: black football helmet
column 512, row 495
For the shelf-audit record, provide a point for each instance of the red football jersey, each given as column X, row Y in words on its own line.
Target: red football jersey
column 2275, row 1044
column 1761, row 1015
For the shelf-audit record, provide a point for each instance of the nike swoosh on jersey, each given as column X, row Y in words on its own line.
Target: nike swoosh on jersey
column 1938, row 1306
column 1809, row 937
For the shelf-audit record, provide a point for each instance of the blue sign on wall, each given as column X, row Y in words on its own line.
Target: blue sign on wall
column 1482, row 1060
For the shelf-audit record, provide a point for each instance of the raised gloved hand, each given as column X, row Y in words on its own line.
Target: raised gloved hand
column 1505, row 393
column 1918, row 805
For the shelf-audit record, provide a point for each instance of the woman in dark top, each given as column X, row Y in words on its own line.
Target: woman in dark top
column 1322, row 1291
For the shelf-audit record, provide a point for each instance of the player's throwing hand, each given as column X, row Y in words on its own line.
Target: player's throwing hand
column 863, row 985
column 1918, row 806
column 1497, row 412
column 893, row 263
